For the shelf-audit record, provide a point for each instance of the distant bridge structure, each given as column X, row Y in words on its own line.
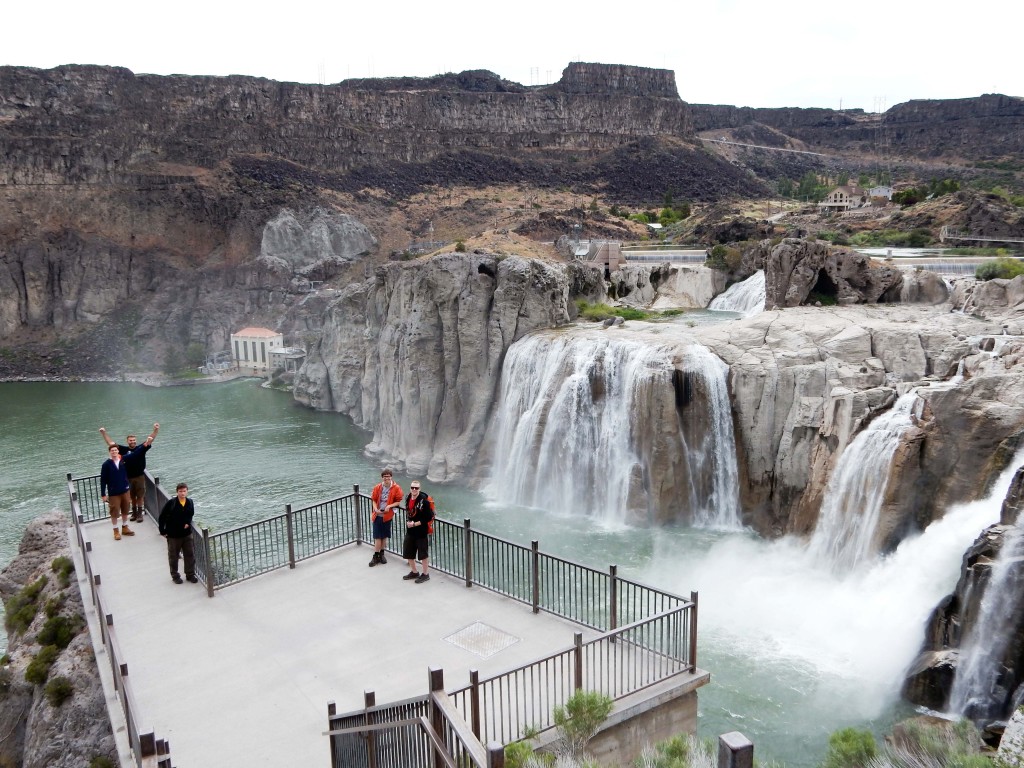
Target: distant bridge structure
column 949, row 234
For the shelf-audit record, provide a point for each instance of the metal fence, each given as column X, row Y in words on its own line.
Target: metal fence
column 145, row 746
column 649, row 635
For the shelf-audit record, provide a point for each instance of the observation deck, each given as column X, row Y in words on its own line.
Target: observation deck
column 258, row 673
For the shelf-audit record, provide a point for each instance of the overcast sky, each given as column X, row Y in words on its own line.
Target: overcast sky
column 870, row 54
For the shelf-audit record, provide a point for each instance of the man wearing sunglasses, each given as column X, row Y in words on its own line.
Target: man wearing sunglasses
column 419, row 524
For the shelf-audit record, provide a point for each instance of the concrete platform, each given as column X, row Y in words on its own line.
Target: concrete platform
column 244, row 678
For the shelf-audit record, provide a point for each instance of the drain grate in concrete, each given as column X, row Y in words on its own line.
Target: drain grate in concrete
column 482, row 639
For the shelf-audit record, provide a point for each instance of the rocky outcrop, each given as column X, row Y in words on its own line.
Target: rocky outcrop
column 415, row 354
column 38, row 733
column 666, row 286
column 804, row 381
column 962, row 615
column 795, row 269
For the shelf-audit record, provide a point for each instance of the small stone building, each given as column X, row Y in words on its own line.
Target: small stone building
column 251, row 349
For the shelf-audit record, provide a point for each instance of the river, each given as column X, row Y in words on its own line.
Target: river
column 795, row 650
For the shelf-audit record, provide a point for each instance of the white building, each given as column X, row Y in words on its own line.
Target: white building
column 288, row 359
column 250, row 349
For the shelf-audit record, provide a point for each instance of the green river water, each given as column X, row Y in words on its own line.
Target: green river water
column 794, row 651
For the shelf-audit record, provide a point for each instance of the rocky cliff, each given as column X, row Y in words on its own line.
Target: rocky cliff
column 984, row 127
column 951, row 651
column 38, row 731
column 415, row 353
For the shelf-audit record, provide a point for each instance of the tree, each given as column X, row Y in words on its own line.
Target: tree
column 579, row 719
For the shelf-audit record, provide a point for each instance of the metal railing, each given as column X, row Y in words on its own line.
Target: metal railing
column 144, row 744
column 649, row 635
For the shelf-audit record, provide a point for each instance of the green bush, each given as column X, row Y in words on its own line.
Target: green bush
column 850, row 748
column 58, row 631
column 598, row 312
column 579, row 719
column 460, row 247
column 58, row 690
column 21, row 608
column 101, row 762
column 63, row 567
column 1003, row 268
column 39, row 668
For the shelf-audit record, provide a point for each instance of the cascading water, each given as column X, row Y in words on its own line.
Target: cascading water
column 979, row 690
column 746, row 297
column 714, row 457
column 844, row 536
column 592, row 424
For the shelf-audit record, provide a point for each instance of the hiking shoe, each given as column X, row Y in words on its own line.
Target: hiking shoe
column 176, row 579
column 375, row 559
column 192, row 579
column 424, row 577
column 135, row 518
column 381, row 560
column 126, row 531
column 410, row 576
column 117, row 534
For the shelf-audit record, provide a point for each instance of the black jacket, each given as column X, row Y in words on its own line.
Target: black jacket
column 176, row 520
column 421, row 510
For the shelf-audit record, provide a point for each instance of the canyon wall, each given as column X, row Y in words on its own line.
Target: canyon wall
column 415, row 353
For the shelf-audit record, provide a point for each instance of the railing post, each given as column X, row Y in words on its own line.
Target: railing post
column 474, row 701
column 332, row 710
column 535, row 573
column 209, row 563
column 467, row 546
column 577, row 682
column 693, row 633
column 613, row 597
column 495, row 755
column 735, row 751
column 435, row 678
column 359, row 513
column 370, row 701
column 291, row 535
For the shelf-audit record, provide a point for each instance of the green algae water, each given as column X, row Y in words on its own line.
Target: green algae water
column 784, row 671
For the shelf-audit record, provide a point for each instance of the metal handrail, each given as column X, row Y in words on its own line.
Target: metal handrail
column 143, row 743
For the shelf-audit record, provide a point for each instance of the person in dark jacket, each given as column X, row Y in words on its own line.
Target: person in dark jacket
column 136, row 467
column 175, row 525
column 419, row 513
column 114, row 489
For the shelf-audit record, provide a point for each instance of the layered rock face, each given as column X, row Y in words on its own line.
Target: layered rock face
column 804, row 381
column 38, row 734
column 415, row 354
column 983, row 127
column 965, row 615
column 104, row 121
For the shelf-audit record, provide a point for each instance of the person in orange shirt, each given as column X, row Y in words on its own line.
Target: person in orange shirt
column 386, row 496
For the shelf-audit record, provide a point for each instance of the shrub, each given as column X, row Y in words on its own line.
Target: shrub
column 598, row 312
column 39, row 668
column 1003, row 268
column 21, row 608
column 63, row 567
column 850, row 748
column 579, row 719
column 58, row 690
column 460, row 247
column 101, row 762
column 5, row 681
column 53, row 606
column 58, row 631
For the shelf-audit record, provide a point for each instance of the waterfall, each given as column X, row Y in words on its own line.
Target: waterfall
column 714, row 458
column 844, row 536
column 979, row 689
column 745, row 297
column 609, row 427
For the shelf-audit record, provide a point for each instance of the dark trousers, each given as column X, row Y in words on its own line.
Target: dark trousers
column 182, row 546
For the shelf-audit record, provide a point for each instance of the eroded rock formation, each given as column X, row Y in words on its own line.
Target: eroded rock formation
column 962, row 616
column 415, row 353
column 38, row 734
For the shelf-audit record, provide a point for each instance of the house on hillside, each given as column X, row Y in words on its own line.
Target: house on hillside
column 251, row 348
column 844, row 198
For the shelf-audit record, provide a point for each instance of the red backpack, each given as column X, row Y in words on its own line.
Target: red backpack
column 430, row 523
